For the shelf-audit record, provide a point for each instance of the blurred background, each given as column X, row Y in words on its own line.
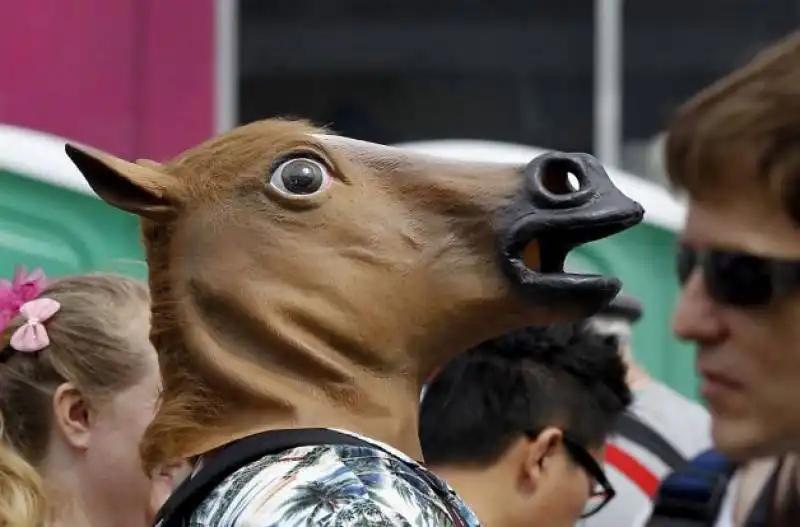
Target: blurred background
column 148, row 78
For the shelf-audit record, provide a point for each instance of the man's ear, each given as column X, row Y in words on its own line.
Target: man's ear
column 541, row 451
column 143, row 189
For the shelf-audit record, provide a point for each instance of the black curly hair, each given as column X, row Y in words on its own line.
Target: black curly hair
column 562, row 375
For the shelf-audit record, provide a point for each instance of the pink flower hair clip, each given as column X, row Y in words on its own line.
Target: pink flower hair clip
column 23, row 287
column 32, row 335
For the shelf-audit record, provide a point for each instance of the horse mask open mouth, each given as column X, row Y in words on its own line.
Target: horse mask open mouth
column 568, row 200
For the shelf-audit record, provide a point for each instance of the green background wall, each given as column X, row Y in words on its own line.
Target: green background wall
column 64, row 232
column 643, row 258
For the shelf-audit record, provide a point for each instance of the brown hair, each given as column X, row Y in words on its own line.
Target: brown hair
column 91, row 346
column 755, row 112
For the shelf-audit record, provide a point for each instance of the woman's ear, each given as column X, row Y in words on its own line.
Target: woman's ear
column 72, row 416
column 144, row 189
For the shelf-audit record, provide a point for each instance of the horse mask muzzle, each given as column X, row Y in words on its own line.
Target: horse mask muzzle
column 566, row 200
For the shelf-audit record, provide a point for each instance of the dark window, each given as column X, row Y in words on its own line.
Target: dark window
column 673, row 49
column 392, row 70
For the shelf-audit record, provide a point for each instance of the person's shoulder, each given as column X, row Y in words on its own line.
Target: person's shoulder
column 338, row 485
column 372, row 510
column 657, row 390
column 657, row 401
column 678, row 419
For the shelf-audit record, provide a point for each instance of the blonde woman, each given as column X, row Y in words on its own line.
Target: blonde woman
column 78, row 385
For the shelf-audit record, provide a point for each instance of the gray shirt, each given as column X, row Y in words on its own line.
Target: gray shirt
column 685, row 424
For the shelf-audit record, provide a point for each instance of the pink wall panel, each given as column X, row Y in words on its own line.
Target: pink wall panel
column 177, row 91
column 134, row 77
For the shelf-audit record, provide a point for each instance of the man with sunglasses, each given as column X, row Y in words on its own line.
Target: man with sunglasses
column 518, row 425
column 735, row 149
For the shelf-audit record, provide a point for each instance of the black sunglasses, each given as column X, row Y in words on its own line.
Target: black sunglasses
column 737, row 278
column 602, row 492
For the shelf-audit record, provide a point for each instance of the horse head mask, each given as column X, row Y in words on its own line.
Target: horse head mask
column 303, row 279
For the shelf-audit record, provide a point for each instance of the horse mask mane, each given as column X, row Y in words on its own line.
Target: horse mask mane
column 303, row 279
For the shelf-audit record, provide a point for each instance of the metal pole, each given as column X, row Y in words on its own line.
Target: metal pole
column 226, row 64
column 608, row 81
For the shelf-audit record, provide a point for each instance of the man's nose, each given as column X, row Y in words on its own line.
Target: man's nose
column 696, row 316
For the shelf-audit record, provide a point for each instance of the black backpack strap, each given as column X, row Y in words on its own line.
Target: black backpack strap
column 230, row 458
column 632, row 428
column 692, row 496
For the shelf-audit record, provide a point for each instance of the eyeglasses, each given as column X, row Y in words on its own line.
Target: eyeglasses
column 602, row 492
column 740, row 279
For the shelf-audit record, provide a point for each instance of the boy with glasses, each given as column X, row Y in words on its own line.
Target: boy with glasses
column 518, row 425
column 735, row 149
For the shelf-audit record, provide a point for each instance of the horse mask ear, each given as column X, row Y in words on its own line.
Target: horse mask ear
column 143, row 189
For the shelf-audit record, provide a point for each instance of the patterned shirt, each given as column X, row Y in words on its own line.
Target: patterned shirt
column 333, row 486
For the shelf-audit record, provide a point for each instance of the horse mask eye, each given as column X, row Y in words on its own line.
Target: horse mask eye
column 300, row 176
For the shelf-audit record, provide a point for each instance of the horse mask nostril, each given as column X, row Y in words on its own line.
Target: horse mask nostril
column 561, row 177
column 558, row 180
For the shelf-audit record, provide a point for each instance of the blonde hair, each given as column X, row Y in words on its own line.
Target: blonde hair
column 92, row 346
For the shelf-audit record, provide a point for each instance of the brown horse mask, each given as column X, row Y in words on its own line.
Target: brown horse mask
column 302, row 279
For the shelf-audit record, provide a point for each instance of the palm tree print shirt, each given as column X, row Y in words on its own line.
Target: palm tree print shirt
column 333, row 486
